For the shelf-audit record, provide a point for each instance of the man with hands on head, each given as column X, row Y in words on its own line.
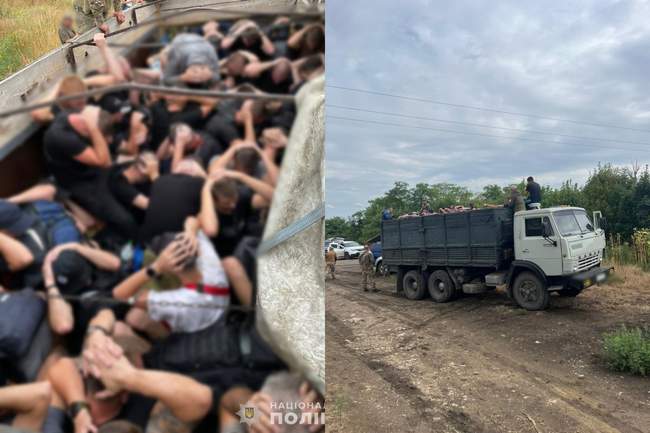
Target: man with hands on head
column 107, row 384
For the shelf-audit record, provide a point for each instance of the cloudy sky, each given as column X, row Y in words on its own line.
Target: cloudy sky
column 585, row 61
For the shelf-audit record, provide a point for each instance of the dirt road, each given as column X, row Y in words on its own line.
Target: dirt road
column 479, row 364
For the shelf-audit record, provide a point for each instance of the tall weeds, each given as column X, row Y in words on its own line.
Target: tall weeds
column 28, row 29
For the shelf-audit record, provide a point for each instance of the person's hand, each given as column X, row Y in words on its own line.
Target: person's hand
column 90, row 115
column 99, row 40
column 151, row 167
column 119, row 16
column 100, row 352
column 104, row 28
column 183, row 136
column 118, row 375
column 172, row 258
column 263, row 403
column 83, row 423
column 196, row 74
column 313, row 405
column 274, row 137
column 190, row 241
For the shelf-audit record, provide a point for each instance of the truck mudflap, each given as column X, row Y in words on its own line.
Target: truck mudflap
column 589, row 277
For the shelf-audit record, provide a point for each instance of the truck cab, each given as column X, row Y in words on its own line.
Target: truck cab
column 559, row 249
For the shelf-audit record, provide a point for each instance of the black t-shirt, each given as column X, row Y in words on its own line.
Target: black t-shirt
column 223, row 129
column 61, row 145
column 124, row 191
column 534, row 192
column 208, row 149
column 265, row 83
column 233, row 227
column 173, row 198
column 255, row 49
column 162, row 119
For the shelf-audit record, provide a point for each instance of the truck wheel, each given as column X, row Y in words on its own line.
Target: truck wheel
column 346, row 256
column 413, row 285
column 530, row 292
column 441, row 288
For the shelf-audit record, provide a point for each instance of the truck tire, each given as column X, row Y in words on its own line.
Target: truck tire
column 530, row 292
column 413, row 285
column 440, row 286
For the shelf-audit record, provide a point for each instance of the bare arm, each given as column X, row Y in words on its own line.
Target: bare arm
column 109, row 57
column 221, row 163
column 97, row 154
column 208, row 215
column 260, row 187
column 66, row 381
column 102, row 259
column 15, row 253
column 255, row 69
column 186, row 398
column 267, row 45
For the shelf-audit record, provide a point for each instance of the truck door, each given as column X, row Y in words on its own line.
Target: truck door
column 533, row 247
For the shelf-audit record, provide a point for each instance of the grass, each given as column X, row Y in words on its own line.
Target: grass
column 28, row 29
column 628, row 350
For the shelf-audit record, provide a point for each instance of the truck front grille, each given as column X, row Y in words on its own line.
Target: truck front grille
column 588, row 262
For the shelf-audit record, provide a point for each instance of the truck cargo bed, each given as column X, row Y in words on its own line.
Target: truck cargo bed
column 478, row 238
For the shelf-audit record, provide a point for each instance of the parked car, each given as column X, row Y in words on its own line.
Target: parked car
column 326, row 246
column 351, row 249
column 381, row 269
column 339, row 249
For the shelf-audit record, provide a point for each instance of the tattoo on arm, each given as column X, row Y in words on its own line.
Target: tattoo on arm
column 162, row 420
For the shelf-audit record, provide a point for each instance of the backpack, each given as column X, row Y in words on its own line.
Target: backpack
column 21, row 313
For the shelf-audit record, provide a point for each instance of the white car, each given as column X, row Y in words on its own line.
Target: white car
column 338, row 248
column 352, row 249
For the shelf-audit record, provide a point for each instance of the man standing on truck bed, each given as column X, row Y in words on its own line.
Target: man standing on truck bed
column 516, row 201
column 366, row 260
column 534, row 194
column 93, row 13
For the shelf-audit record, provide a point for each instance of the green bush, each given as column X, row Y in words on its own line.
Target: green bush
column 628, row 350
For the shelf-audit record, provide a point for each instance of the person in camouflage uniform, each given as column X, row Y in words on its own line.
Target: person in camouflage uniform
column 367, row 262
column 66, row 32
column 330, row 263
column 93, row 13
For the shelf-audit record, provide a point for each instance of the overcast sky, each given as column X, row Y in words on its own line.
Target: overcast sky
column 587, row 61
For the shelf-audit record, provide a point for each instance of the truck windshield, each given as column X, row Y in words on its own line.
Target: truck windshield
column 585, row 223
column 567, row 223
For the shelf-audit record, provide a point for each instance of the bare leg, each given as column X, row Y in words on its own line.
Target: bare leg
column 238, row 280
column 29, row 401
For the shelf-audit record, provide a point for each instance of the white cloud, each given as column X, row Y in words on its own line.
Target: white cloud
column 584, row 60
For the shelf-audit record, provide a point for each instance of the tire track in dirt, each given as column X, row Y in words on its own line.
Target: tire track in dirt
column 577, row 405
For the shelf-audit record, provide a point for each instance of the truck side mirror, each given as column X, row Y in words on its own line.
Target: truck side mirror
column 547, row 230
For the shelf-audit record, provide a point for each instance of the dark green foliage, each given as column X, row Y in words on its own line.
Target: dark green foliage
column 621, row 194
column 628, row 350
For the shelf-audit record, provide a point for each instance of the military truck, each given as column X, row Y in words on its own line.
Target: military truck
column 532, row 253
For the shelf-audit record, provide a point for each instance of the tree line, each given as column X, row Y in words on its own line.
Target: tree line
column 622, row 194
